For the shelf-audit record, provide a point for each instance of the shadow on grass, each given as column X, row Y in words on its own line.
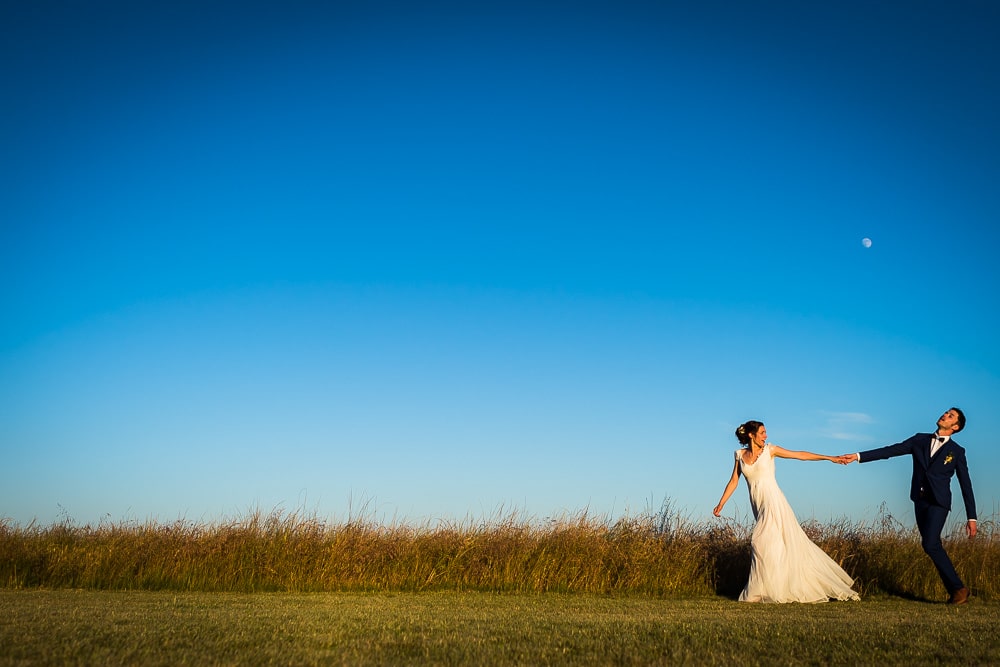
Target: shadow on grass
column 732, row 569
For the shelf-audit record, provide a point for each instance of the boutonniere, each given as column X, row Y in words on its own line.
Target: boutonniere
column 948, row 458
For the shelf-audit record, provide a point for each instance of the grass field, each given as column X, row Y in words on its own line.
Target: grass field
column 59, row 627
column 294, row 589
column 658, row 554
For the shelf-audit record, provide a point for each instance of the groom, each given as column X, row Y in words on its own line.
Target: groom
column 936, row 457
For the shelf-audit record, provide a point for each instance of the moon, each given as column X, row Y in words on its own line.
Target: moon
column 866, row 242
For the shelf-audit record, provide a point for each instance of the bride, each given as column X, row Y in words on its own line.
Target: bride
column 785, row 565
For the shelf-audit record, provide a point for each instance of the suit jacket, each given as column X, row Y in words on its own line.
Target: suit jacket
column 932, row 474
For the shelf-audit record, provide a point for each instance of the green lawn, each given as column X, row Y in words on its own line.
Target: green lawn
column 60, row 627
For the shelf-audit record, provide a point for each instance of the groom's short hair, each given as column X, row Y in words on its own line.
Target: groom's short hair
column 961, row 419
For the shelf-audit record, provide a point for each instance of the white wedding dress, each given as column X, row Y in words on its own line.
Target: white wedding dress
column 785, row 565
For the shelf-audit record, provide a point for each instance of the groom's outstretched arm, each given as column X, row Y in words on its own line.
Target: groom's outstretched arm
column 899, row 449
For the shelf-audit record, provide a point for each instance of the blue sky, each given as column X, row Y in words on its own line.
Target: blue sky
column 440, row 260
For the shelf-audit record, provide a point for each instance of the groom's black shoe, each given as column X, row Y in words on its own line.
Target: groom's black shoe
column 961, row 596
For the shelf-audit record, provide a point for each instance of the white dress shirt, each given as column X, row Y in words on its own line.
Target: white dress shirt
column 937, row 443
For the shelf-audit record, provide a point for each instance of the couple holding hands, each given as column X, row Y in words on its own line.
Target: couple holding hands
column 786, row 566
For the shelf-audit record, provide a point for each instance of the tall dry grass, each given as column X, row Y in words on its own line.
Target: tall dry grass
column 657, row 553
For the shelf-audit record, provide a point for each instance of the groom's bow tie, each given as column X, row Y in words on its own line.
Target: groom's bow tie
column 940, row 438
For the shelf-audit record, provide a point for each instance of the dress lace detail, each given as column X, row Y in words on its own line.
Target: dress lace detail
column 785, row 565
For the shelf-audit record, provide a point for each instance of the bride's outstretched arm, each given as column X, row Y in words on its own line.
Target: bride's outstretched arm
column 734, row 480
column 801, row 456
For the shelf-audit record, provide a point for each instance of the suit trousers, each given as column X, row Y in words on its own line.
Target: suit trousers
column 930, row 522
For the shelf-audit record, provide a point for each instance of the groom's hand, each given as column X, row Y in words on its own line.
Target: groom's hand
column 970, row 528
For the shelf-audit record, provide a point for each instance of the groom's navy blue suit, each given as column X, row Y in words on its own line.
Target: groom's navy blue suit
column 930, row 491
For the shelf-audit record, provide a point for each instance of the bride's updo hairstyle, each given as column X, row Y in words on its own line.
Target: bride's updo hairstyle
column 747, row 429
